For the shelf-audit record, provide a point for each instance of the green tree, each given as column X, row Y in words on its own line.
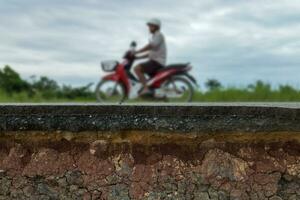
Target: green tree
column 46, row 87
column 79, row 92
column 260, row 86
column 213, row 84
column 45, row 84
column 10, row 81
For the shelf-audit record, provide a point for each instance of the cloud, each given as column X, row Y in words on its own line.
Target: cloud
column 235, row 41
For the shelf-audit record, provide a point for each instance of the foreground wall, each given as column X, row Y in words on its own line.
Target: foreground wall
column 146, row 152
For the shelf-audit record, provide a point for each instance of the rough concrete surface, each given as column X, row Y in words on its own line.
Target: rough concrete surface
column 161, row 159
column 172, row 118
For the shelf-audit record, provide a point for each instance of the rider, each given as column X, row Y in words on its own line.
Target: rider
column 157, row 54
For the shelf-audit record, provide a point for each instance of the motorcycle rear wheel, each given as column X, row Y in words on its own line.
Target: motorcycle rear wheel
column 178, row 89
column 108, row 91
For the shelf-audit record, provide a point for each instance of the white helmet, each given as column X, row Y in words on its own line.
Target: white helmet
column 155, row 22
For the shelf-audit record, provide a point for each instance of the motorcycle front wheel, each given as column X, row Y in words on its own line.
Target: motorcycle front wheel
column 178, row 89
column 108, row 91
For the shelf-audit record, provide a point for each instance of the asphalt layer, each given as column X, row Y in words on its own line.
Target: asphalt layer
column 172, row 118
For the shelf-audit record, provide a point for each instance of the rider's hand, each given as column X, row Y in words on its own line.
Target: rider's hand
column 133, row 54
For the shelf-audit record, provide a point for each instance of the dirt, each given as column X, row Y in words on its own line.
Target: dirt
column 149, row 165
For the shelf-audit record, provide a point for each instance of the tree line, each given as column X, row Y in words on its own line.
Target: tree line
column 14, row 88
column 11, row 82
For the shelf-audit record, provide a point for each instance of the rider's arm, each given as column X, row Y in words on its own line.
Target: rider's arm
column 144, row 49
column 142, row 56
column 155, row 42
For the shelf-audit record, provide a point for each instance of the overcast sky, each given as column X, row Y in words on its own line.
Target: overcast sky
column 234, row 41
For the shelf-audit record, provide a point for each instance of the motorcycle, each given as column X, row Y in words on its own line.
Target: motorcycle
column 172, row 83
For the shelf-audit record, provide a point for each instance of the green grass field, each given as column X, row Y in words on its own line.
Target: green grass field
column 244, row 95
column 24, row 97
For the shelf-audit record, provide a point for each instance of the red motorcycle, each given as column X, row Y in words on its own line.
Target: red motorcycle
column 171, row 84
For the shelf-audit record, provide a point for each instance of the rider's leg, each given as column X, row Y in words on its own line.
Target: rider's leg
column 131, row 76
column 140, row 74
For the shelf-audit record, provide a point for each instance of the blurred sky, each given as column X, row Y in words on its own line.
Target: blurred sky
column 234, row 41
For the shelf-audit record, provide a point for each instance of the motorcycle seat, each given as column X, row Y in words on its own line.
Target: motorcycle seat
column 174, row 66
